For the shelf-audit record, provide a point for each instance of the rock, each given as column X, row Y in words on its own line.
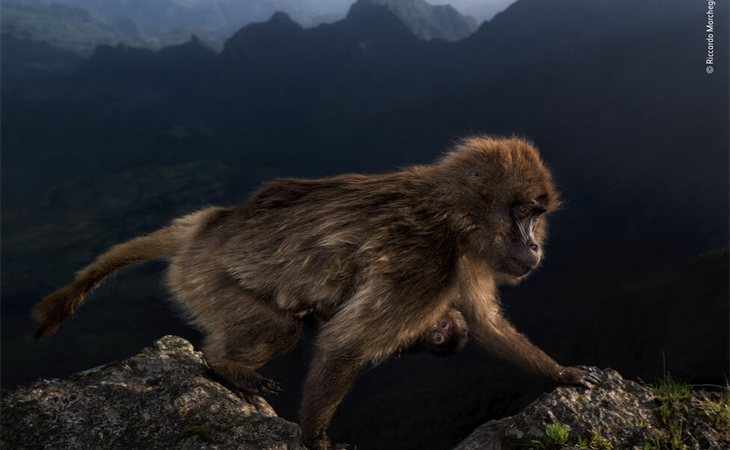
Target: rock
column 164, row 398
column 160, row 398
column 615, row 414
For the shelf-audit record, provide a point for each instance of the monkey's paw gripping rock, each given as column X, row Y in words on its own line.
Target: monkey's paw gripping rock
column 615, row 413
column 160, row 398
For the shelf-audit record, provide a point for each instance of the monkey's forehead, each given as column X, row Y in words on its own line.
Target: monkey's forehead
column 509, row 156
column 511, row 164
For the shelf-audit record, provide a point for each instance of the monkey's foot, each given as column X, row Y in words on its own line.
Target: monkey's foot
column 578, row 376
column 245, row 384
column 263, row 387
column 266, row 386
column 258, row 385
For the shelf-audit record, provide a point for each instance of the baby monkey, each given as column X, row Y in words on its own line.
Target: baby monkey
column 445, row 337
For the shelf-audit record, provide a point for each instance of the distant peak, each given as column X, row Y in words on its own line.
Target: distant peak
column 280, row 26
column 362, row 6
column 278, row 21
column 196, row 43
column 424, row 20
column 280, row 17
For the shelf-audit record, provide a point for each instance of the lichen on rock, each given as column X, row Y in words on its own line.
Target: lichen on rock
column 160, row 398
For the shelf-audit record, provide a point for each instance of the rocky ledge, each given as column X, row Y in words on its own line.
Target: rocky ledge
column 160, row 398
column 163, row 398
column 615, row 414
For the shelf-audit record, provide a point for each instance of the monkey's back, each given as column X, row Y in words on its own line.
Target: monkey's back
column 303, row 242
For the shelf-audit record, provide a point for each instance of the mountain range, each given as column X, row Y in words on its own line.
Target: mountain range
column 614, row 92
column 80, row 25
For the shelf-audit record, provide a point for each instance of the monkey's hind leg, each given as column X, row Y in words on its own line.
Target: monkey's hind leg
column 258, row 335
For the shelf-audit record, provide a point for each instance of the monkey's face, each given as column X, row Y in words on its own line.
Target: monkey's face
column 447, row 336
column 511, row 237
column 524, row 249
column 503, row 194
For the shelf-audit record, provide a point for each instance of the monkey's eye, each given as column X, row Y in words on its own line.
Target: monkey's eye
column 524, row 210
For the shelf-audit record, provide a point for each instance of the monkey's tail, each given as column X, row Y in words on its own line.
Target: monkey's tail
column 50, row 312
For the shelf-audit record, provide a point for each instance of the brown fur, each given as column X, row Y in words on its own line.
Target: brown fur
column 381, row 257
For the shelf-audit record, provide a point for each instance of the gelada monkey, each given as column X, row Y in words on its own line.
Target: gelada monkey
column 380, row 258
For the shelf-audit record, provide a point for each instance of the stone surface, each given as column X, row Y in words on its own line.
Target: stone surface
column 164, row 398
column 617, row 414
column 160, row 398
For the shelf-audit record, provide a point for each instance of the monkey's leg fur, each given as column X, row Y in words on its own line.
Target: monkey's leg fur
column 355, row 336
column 258, row 334
column 330, row 377
column 500, row 338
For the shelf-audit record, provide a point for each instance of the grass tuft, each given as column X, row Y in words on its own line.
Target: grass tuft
column 556, row 434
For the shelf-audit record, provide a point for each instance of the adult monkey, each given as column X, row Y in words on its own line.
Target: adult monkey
column 381, row 258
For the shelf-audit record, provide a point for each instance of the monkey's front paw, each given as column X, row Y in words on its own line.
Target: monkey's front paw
column 578, row 376
column 343, row 446
column 255, row 384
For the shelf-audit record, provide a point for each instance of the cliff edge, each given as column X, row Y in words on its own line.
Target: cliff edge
column 164, row 397
column 159, row 398
column 615, row 414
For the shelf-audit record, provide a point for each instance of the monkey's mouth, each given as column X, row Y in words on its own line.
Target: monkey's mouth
column 515, row 267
